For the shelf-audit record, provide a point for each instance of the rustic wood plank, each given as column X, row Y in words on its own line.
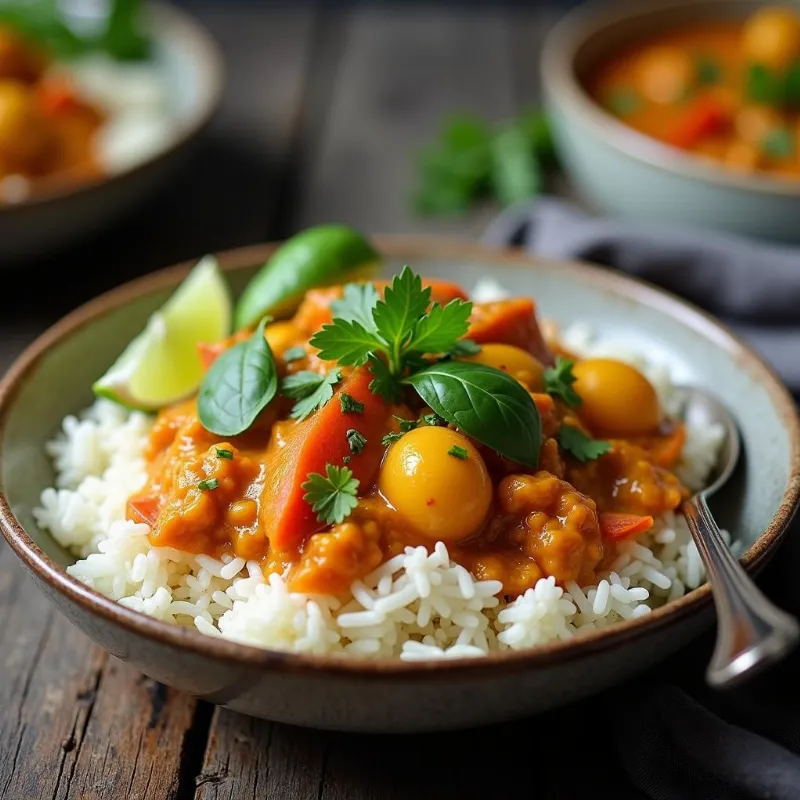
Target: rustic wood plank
column 402, row 71
column 247, row 758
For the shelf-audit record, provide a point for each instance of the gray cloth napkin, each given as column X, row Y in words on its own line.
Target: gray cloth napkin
column 671, row 736
column 753, row 286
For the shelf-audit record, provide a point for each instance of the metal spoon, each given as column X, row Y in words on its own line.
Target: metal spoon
column 751, row 631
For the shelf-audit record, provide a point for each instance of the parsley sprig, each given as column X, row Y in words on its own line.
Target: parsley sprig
column 332, row 496
column 310, row 389
column 558, row 381
column 393, row 330
column 580, row 446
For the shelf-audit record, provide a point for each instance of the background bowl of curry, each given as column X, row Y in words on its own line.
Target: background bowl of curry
column 192, row 69
column 54, row 376
column 620, row 171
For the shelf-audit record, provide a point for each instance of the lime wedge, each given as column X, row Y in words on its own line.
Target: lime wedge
column 320, row 256
column 161, row 365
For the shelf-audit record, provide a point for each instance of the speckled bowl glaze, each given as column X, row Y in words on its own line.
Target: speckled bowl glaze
column 53, row 378
column 620, row 171
column 193, row 71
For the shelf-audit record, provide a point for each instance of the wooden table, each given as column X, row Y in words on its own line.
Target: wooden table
column 324, row 112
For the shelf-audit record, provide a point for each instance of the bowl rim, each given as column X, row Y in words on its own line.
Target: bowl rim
column 171, row 22
column 563, row 89
column 140, row 625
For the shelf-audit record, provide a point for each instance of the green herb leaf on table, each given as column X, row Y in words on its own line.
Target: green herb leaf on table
column 312, row 395
column 558, row 381
column 440, row 330
column 485, row 403
column 356, row 441
column 332, row 496
column 349, row 404
column 580, row 446
column 356, row 304
column 515, row 172
column 238, row 386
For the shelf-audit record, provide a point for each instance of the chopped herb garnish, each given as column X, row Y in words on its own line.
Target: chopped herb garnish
column 349, row 404
column 778, row 143
column 707, row 69
column 406, row 425
column 207, row 486
column 558, row 382
column 433, row 419
column 332, row 496
column 225, row 454
column 356, row 441
column 294, row 354
column 346, row 459
column 623, row 102
column 310, row 389
column 580, row 446
column 390, row 438
column 458, row 452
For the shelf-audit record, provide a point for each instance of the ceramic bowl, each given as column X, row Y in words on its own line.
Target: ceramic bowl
column 193, row 69
column 53, row 377
column 620, row 171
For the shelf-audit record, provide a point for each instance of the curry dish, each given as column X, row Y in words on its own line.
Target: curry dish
column 724, row 91
column 46, row 129
column 602, row 474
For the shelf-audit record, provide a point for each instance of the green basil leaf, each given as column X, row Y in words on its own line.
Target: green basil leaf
column 238, row 386
column 486, row 404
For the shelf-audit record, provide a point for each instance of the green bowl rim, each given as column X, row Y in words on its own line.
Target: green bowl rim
column 408, row 247
column 563, row 90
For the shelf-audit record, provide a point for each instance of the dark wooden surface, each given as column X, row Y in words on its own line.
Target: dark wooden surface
column 324, row 113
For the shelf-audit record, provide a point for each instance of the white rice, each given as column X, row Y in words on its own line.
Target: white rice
column 417, row 606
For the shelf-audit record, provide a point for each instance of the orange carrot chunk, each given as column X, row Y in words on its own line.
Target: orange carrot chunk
column 509, row 322
column 286, row 518
column 617, row 527
column 703, row 117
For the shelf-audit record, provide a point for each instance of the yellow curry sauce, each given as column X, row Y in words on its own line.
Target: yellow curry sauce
column 499, row 519
column 725, row 91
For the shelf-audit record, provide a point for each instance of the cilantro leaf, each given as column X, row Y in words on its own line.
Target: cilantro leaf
column 558, row 382
column 406, row 425
column 390, row 438
column 580, row 446
column 441, row 328
column 356, row 441
column 434, row 419
column 404, row 302
column 383, row 383
column 301, row 384
column 356, row 304
column 331, row 496
column 347, row 342
column 316, row 397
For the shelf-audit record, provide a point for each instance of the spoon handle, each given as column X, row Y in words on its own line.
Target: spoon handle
column 751, row 631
